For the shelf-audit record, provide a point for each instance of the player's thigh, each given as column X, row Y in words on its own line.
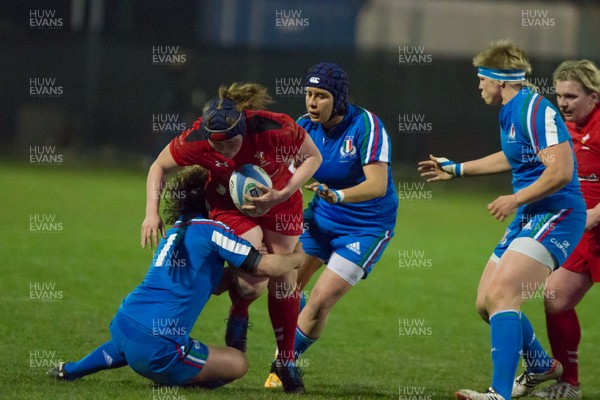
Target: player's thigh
column 565, row 289
column 223, row 364
column 278, row 243
column 484, row 281
column 332, row 285
column 517, row 277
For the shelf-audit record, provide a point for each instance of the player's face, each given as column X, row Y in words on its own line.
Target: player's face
column 574, row 103
column 319, row 104
column 228, row 148
column 490, row 91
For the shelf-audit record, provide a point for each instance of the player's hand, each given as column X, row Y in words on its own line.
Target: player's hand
column 323, row 192
column 263, row 249
column 268, row 199
column 593, row 218
column 151, row 227
column 298, row 248
column 503, row 206
column 437, row 169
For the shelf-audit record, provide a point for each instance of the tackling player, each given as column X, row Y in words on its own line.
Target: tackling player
column 577, row 93
column 234, row 130
column 351, row 218
column 549, row 220
column 150, row 331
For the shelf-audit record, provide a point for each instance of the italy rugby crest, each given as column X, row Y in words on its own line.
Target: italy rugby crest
column 348, row 149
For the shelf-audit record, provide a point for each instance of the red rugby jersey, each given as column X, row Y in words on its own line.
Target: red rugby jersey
column 272, row 140
column 586, row 144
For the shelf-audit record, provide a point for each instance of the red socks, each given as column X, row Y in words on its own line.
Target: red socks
column 564, row 334
column 284, row 318
column 239, row 304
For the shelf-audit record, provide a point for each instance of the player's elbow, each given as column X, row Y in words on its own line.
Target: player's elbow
column 562, row 177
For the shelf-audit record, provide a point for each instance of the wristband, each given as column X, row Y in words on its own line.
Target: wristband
column 451, row 167
column 339, row 196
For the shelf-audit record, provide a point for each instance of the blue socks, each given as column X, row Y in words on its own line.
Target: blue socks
column 302, row 342
column 104, row 357
column 536, row 358
column 507, row 344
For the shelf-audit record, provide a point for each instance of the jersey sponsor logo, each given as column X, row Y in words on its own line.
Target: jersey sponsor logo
column 589, row 178
column 355, row 247
column 315, row 80
column 221, row 190
column 348, row 149
column 221, row 164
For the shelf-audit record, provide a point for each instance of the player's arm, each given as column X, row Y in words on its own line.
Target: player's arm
column 153, row 224
column 255, row 263
column 441, row 169
column 374, row 185
column 558, row 160
column 311, row 160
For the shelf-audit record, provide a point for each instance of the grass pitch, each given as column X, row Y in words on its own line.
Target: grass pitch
column 70, row 252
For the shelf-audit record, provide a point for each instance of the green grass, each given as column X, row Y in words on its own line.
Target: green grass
column 95, row 260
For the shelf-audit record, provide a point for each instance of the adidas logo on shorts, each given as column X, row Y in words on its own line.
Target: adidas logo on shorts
column 355, row 247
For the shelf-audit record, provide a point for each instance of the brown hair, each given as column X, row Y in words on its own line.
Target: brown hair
column 185, row 193
column 248, row 96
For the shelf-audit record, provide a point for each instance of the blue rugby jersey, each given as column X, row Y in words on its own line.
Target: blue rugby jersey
column 186, row 268
column 529, row 123
column 359, row 139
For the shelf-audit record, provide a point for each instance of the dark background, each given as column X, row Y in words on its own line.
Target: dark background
column 102, row 58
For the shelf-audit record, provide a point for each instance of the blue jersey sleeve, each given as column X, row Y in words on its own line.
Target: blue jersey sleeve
column 543, row 124
column 374, row 142
column 235, row 250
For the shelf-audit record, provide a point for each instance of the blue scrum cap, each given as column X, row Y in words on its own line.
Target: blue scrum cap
column 330, row 77
column 221, row 120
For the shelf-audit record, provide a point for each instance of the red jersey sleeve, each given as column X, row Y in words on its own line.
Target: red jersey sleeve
column 291, row 135
column 187, row 148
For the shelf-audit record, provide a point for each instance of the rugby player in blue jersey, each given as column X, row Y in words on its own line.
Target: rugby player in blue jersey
column 351, row 218
column 550, row 216
column 151, row 329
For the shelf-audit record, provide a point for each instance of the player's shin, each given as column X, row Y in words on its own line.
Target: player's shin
column 507, row 342
column 534, row 355
column 564, row 333
column 302, row 342
column 283, row 311
column 104, row 357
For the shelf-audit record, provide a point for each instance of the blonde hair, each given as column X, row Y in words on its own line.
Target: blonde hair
column 503, row 54
column 583, row 71
column 248, row 96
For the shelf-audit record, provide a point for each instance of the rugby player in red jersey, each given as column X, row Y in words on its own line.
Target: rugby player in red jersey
column 236, row 129
column 577, row 84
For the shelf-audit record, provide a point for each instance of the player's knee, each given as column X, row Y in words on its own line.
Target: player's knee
column 554, row 304
column 500, row 297
column 240, row 366
column 251, row 291
column 482, row 311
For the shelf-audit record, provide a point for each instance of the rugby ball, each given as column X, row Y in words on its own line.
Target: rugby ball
column 245, row 180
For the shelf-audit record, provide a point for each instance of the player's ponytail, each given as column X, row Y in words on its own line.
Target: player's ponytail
column 248, row 96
